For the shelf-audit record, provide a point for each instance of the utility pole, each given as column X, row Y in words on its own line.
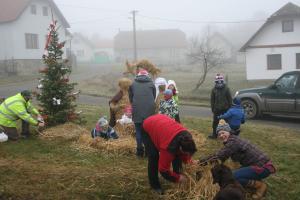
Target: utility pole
column 134, row 35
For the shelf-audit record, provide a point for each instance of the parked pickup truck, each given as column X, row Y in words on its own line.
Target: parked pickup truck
column 280, row 98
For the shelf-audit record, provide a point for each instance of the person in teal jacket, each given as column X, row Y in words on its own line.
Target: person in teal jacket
column 18, row 107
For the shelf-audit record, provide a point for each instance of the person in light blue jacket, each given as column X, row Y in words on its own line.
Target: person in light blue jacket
column 235, row 116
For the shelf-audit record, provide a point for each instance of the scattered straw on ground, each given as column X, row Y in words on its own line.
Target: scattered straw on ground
column 121, row 146
column 66, row 131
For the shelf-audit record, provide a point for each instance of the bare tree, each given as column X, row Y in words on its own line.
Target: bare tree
column 205, row 55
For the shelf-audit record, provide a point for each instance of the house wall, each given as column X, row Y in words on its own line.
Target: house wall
column 256, row 62
column 272, row 34
column 12, row 40
column 166, row 56
column 256, row 58
column 79, row 45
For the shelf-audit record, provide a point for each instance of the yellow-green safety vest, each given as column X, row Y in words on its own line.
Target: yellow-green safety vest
column 14, row 108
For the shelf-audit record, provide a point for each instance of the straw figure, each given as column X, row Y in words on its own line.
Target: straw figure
column 131, row 68
column 119, row 108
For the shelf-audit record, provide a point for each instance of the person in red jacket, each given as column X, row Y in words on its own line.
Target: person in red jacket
column 166, row 141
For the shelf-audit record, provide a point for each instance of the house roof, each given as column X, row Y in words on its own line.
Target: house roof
column 150, row 39
column 288, row 10
column 221, row 37
column 11, row 10
column 103, row 43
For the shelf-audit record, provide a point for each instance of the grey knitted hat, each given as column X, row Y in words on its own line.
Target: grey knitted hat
column 223, row 126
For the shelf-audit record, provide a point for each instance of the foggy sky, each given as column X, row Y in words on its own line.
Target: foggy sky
column 107, row 17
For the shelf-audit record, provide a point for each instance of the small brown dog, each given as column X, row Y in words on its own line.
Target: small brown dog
column 230, row 189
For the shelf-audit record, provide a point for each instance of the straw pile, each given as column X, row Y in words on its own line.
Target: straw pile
column 121, row 146
column 194, row 189
column 65, row 131
column 145, row 64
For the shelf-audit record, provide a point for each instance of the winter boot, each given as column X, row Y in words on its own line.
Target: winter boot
column 260, row 189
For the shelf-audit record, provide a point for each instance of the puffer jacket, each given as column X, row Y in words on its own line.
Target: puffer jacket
column 142, row 95
column 14, row 108
column 235, row 116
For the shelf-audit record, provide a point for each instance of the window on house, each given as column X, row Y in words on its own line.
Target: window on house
column 45, row 11
column 33, row 9
column 80, row 53
column 287, row 26
column 274, row 61
column 297, row 60
column 31, row 41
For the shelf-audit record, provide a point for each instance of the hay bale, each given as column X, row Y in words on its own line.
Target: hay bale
column 125, row 129
column 121, row 146
column 64, row 131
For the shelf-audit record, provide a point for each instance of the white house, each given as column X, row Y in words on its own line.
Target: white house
column 275, row 47
column 82, row 48
column 23, row 29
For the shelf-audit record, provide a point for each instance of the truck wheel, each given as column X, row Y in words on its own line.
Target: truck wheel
column 250, row 108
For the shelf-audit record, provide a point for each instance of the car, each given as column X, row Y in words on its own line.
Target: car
column 280, row 98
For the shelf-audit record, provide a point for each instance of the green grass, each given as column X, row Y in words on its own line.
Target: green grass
column 104, row 83
column 39, row 169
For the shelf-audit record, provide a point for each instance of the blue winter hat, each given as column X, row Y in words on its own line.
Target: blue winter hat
column 168, row 92
column 236, row 101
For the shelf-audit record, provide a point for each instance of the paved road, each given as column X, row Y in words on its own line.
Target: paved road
column 11, row 89
column 204, row 112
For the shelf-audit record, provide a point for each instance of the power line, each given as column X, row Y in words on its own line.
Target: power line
column 202, row 22
column 92, row 8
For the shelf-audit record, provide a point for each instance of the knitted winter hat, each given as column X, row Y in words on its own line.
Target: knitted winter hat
column 168, row 94
column 160, row 81
column 102, row 121
column 219, row 78
column 26, row 93
column 143, row 72
column 223, row 126
column 236, row 101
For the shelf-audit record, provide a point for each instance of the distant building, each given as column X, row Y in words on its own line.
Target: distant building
column 104, row 51
column 166, row 46
column 275, row 47
column 218, row 41
column 23, row 29
column 82, row 48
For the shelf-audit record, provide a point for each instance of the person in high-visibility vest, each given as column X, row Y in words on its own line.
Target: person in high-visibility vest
column 19, row 107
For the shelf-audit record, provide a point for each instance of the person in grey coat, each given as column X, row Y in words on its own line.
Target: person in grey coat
column 142, row 95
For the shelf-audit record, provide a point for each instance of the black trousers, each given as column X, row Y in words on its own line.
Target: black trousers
column 216, row 120
column 153, row 158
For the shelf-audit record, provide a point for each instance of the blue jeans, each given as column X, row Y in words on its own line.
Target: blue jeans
column 245, row 174
column 138, row 136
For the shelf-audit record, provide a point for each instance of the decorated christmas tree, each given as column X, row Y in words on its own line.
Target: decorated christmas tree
column 56, row 96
